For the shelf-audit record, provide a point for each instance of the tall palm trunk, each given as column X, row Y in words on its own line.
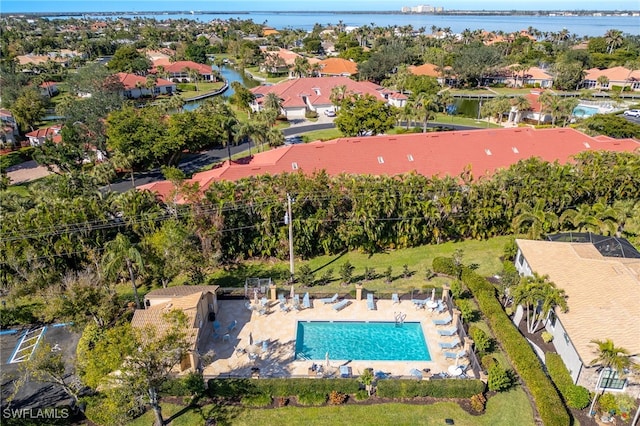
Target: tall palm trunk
column 155, row 405
column 133, row 283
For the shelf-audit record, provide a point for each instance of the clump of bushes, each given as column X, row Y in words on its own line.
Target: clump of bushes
column 499, row 379
column 362, row 395
column 547, row 337
column 337, row 398
column 483, row 342
column 257, row 400
column 478, row 402
column 445, row 265
column 575, row 396
column 312, row 398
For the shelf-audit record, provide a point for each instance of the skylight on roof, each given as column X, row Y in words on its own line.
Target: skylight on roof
column 380, row 160
column 487, row 151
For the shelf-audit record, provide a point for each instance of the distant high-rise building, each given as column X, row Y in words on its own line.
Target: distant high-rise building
column 421, row 9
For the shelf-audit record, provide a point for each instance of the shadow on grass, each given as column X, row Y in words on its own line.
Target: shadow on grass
column 335, row 259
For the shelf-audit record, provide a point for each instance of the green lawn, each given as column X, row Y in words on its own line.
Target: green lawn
column 323, row 135
column 484, row 253
column 508, row 408
column 202, row 89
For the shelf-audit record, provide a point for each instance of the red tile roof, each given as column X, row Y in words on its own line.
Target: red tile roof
column 317, row 90
column 613, row 74
column 338, row 66
column 177, row 67
column 129, row 81
column 52, row 133
column 429, row 154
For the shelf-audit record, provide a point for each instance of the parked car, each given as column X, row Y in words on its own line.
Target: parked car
column 330, row 113
column 632, row 112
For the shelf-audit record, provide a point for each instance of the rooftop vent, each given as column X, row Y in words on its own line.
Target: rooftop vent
column 515, row 150
column 294, row 165
column 409, row 157
column 380, row 160
column 487, row 151
column 586, row 144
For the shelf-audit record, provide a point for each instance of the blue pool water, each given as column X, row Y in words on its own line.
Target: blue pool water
column 582, row 111
column 373, row 341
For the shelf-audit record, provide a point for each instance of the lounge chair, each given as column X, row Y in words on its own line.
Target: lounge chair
column 264, row 301
column 416, row 373
column 449, row 345
column 329, row 300
column 345, row 371
column 216, row 325
column 443, row 321
column 379, row 375
column 232, row 326
column 455, row 355
column 395, row 299
column 340, row 305
column 296, row 302
column 419, row 303
column 448, row 331
column 284, row 308
column 282, row 299
column 306, row 302
column 371, row 304
column 440, row 308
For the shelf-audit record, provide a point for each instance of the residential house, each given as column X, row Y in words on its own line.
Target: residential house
column 616, row 76
column 198, row 302
column 9, row 131
column 535, row 112
column 30, row 63
column 600, row 277
column 49, row 88
column 135, row 86
column 177, row 72
column 267, row 31
column 332, row 67
column 40, row 136
column 314, row 94
column 428, row 154
column 533, row 76
column 163, row 54
column 444, row 76
column 278, row 61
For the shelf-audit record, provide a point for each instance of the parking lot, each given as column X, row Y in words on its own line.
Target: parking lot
column 17, row 347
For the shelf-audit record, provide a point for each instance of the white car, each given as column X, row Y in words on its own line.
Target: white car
column 632, row 112
column 330, row 113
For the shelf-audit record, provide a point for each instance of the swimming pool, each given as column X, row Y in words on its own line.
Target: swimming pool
column 372, row 341
column 582, row 111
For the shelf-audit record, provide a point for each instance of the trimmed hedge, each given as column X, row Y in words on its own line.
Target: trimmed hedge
column 527, row 365
column 447, row 388
column 280, row 387
column 576, row 396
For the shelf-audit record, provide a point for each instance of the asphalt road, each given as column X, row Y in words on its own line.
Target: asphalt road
column 191, row 163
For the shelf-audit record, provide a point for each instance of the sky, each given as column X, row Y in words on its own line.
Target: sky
column 13, row 6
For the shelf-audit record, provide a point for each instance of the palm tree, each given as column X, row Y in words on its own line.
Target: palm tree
column 176, row 102
column 337, row 95
column 539, row 296
column 538, row 217
column 120, row 253
column 425, row 103
column 610, row 357
column 614, row 40
column 520, row 103
column 602, row 81
column 273, row 102
column 301, row 67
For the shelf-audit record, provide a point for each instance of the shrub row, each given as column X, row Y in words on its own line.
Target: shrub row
column 238, row 388
column 435, row 388
column 575, row 396
column 527, row 365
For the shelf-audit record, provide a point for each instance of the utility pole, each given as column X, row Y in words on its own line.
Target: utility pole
column 288, row 220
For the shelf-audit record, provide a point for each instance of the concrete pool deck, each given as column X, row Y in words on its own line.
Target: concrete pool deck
column 241, row 352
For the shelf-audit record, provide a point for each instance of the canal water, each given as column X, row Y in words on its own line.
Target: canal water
column 230, row 75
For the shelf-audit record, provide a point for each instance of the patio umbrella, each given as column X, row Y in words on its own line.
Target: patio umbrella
column 327, row 359
column 293, row 292
column 433, row 295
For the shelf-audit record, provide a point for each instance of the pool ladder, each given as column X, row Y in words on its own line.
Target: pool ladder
column 400, row 318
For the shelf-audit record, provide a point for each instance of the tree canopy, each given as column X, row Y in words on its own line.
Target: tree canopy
column 364, row 115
